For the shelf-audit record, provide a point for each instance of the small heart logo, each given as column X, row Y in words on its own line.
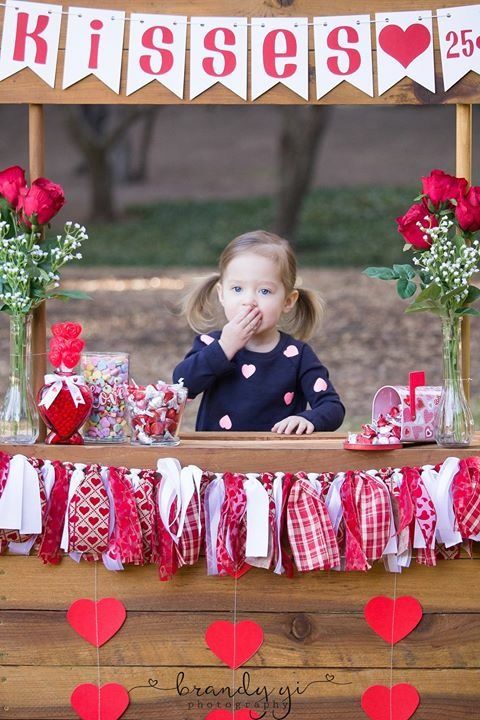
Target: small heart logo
column 234, row 643
column 225, row 422
column 396, row 703
column 207, row 339
column 93, row 703
column 244, row 714
column 320, row 385
column 391, row 619
column 288, row 398
column 404, row 45
column 290, row 351
column 248, row 370
column 96, row 622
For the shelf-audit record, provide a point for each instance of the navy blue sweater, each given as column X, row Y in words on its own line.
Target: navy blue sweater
column 255, row 390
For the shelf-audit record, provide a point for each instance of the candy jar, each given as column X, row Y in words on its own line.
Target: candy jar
column 106, row 375
column 64, row 401
column 155, row 413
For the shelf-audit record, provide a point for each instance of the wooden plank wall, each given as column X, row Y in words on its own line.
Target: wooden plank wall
column 314, row 633
column 26, row 87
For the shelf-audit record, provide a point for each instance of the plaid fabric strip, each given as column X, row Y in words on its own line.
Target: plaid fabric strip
column 126, row 540
column 188, row 548
column 232, row 531
column 310, row 530
column 466, row 497
column 49, row 549
column 168, row 558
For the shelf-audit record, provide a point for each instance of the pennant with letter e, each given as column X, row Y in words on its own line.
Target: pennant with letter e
column 157, row 52
column 343, row 51
column 218, row 53
column 459, row 39
column 30, row 39
column 94, row 46
column 279, row 49
column 405, row 48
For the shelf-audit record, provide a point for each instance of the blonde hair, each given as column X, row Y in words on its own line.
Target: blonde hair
column 201, row 306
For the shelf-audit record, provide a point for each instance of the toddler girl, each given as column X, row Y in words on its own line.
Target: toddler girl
column 254, row 376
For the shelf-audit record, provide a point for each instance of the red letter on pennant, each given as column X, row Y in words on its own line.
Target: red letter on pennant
column 270, row 54
column 229, row 59
column 22, row 34
column 166, row 62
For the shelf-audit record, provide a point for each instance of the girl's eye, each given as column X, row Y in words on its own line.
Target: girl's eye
column 237, row 289
column 265, row 291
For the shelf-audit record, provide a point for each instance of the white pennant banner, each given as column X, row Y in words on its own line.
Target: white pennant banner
column 218, row 53
column 94, row 46
column 157, row 52
column 30, row 37
column 279, row 54
column 405, row 48
column 343, row 51
column 459, row 37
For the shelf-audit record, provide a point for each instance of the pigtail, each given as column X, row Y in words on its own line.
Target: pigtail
column 304, row 319
column 199, row 305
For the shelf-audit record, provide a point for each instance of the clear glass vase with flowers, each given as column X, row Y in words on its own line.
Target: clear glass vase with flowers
column 439, row 228
column 29, row 274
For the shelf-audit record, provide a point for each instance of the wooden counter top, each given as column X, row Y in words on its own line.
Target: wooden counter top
column 251, row 452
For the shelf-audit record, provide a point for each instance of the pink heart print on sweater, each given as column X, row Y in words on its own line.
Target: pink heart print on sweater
column 319, row 385
column 207, row 339
column 248, row 370
column 290, row 351
column 288, row 398
column 225, row 422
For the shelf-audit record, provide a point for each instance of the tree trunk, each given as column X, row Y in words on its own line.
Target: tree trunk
column 138, row 163
column 301, row 133
column 102, row 195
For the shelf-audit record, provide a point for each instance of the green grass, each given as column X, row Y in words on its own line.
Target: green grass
column 339, row 227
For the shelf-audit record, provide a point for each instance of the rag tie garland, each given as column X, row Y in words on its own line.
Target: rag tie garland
column 308, row 521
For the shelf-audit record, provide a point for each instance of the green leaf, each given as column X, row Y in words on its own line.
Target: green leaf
column 431, row 292
column 381, row 273
column 405, row 288
column 473, row 295
column 405, row 271
column 68, row 295
column 425, row 306
column 467, row 311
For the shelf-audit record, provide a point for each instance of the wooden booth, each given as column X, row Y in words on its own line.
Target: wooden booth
column 318, row 655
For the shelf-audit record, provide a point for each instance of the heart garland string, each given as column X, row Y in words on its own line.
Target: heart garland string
column 97, row 622
column 392, row 620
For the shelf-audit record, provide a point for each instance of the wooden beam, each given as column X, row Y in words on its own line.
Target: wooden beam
column 464, row 169
column 36, row 158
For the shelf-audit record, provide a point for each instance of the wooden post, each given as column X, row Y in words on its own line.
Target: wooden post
column 464, row 169
column 36, row 158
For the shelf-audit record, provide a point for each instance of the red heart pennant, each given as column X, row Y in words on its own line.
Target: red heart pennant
column 396, row 703
column 96, row 622
column 244, row 714
column 93, row 703
column 404, row 45
column 393, row 619
column 234, row 643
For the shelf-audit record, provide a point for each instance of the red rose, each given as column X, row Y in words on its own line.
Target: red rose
column 407, row 226
column 467, row 211
column 70, row 359
column 43, row 200
column 12, row 180
column 55, row 357
column 76, row 345
column 58, row 343
column 441, row 187
column 71, row 330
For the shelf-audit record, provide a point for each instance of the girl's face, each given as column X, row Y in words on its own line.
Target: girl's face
column 253, row 279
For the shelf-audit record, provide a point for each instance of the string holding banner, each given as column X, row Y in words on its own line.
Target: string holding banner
column 279, row 49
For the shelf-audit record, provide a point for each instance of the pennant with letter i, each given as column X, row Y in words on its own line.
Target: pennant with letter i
column 30, row 39
column 157, row 52
column 405, row 48
column 94, row 46
column 343, row 51
column 459, row 38
column 218, row 53
column 279, row 55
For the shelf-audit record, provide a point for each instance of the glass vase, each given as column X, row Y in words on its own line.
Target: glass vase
column 454, row 421
column 18, row 415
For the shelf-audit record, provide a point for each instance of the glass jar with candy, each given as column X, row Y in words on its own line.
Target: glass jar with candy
column 106, row 374
column 155, row 412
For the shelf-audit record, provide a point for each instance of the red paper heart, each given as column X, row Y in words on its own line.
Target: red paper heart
column 84, row 615
column 398, row 703
column 244, row 714
column 393, row 619
column 107, row 703
column 234, row 644
column 404, row 45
